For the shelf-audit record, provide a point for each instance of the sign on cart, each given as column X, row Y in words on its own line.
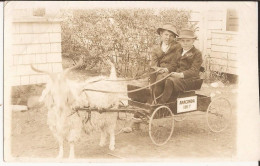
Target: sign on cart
column 186, row 104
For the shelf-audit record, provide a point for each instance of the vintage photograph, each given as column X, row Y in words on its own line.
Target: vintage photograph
column 122, row 81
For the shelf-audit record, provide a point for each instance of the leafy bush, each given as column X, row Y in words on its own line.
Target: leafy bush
column 126, row 34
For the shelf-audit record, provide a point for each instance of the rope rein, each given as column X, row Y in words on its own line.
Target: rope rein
column 118, row 80
column 131, row 91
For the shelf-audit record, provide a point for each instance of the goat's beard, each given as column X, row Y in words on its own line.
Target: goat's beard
column 88, row 127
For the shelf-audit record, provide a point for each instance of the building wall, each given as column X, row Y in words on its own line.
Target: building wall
column 197, row 19
column 216, row 21
column 214, row 40
column 37, row 41
column 207, row 21
column 223, row 56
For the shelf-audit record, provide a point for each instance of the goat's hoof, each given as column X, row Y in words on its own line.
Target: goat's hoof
column 112, row 147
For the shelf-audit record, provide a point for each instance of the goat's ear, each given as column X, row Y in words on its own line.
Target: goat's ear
column 70, row 99
column 45, row 91
column 51, row 80
column 48, row 100
column 66, row 71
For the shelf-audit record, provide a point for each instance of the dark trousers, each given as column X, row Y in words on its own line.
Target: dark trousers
column 170, row 87
column 173, row 86
column 166, row 87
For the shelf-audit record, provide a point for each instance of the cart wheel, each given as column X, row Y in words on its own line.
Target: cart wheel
column 180, row 117
column 122, row 119
column 161, row 125
column 219, row 114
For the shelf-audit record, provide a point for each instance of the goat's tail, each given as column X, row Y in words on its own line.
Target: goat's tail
column 113, row 71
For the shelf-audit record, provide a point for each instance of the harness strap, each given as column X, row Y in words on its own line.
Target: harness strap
column 75, row 111
column 89, row 118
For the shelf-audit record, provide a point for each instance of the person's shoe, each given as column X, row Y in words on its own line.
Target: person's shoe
column 127, row 129
column 135, row 126
column 136, row 120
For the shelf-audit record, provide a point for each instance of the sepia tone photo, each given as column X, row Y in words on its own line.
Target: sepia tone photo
column 129, row 81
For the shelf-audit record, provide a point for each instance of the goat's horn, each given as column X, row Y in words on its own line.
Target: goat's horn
column 41, row 71
column 37, row 70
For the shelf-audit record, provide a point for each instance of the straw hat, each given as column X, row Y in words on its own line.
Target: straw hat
column 168, row 27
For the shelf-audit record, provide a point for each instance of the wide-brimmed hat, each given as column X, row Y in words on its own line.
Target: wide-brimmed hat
column 168, row 27
column 187, row 33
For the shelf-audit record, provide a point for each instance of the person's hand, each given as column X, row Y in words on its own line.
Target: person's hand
column 163, row 70
column 177, row 75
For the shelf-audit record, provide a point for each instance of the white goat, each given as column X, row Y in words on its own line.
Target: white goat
column 59, row 99
column 62, row 95
column 106, row 121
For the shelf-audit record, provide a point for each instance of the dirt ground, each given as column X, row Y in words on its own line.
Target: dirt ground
column 191, row 138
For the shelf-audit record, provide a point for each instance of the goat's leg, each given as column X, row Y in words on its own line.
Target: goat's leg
column 112, row 139
column 103, row 138
column 72, row 152
column 60, row 141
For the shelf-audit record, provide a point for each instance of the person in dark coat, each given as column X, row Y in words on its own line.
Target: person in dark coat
column 185, row 66
column 162, row 57
column 161, row 61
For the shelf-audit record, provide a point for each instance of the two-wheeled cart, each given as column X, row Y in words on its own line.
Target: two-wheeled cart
column 161, row 117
